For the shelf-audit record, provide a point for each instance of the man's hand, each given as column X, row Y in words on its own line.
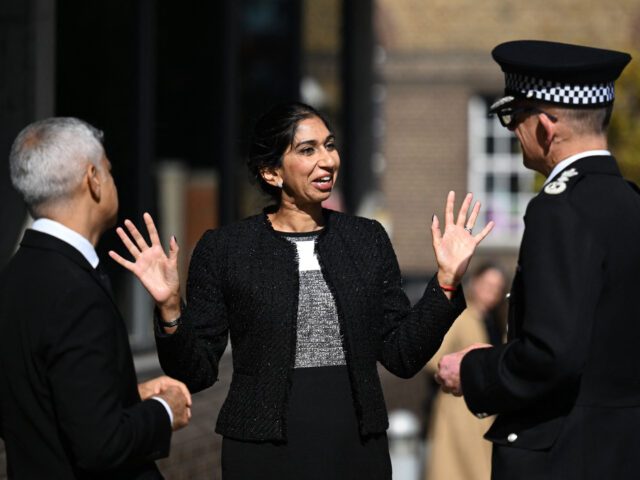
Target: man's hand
column 174, row 392
column 448, row 375
column 158, row 385
column 179, row 405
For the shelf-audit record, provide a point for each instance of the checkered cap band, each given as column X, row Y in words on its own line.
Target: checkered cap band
column 556, row 92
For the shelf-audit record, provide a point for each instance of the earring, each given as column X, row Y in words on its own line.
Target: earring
column 279, row 183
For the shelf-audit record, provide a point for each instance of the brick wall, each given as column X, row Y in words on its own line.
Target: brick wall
column 463, row 25
column 437, row 56
column 426, row 157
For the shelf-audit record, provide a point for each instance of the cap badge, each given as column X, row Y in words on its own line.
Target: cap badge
column 560, row 185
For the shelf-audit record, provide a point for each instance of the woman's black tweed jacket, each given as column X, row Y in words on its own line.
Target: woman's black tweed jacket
column 243, row 282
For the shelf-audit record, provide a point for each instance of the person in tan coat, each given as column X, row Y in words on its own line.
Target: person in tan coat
column 458, row 450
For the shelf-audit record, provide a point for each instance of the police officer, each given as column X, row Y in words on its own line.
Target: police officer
column 566, row 385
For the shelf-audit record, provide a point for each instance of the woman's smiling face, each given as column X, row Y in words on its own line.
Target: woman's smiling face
column 310, row 164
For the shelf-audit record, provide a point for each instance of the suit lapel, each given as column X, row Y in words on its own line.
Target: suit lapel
column 44, row 241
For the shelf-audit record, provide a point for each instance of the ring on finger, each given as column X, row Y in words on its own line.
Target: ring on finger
column 467, row 229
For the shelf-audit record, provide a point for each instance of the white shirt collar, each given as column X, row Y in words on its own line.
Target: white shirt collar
column 568, row 161
column 73, row 238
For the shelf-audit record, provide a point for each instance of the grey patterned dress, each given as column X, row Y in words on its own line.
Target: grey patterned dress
column 319, row 343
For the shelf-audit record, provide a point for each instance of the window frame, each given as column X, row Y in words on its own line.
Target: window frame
column 503, row 164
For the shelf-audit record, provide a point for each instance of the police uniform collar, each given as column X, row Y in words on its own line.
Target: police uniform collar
column 599, row 164
column 569, row 160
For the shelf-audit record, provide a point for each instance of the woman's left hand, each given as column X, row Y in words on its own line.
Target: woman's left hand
column 455, row 246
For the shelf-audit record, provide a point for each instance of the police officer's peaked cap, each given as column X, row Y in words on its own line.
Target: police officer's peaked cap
column 558, row 73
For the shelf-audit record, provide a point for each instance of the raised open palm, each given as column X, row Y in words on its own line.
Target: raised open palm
column 157, row 271
column 455, row 246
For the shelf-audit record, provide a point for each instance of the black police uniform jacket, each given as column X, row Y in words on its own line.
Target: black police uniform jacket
column 69, row 402
column 243, row 282
column 566, row 385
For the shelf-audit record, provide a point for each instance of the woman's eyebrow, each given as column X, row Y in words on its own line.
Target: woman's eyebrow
column 306, row 142
column 312, row 141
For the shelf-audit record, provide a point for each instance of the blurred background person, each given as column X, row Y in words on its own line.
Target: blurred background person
column 457, row 449
column 311, row 299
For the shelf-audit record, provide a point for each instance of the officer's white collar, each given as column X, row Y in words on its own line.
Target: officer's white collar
column 568, row 161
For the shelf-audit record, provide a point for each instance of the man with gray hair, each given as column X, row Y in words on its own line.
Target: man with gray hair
column 70, row 404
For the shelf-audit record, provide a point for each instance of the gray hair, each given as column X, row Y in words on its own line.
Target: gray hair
column 587, row 121
column 49, row 157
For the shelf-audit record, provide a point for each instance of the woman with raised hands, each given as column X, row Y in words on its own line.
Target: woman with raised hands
column 311, row 300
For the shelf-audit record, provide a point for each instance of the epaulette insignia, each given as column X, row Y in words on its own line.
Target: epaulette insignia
column 560, row 185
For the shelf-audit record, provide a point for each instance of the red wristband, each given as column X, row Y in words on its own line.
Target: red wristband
column 448, row 289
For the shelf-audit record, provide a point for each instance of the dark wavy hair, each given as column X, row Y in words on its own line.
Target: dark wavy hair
column 272, row 135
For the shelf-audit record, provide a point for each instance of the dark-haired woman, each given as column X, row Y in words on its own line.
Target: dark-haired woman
column 311, row 299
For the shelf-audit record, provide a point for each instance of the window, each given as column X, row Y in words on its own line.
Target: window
column 496, row 175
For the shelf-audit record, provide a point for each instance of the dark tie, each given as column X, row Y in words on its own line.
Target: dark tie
column 104, row 278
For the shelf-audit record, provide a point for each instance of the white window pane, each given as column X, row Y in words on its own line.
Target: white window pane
column 496, row 175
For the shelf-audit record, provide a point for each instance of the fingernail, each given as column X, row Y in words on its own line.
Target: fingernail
column 433, row 217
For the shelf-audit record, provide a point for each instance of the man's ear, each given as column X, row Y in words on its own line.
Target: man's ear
column 549, row 127
column 271, row 176
column 93, row 181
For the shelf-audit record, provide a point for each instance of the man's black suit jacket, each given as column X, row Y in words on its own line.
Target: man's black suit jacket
column 70, row 406
column 566, row 385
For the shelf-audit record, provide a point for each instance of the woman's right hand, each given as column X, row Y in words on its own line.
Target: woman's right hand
column 157, row 271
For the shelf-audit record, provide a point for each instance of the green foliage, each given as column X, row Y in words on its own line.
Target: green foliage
column 624, row 130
